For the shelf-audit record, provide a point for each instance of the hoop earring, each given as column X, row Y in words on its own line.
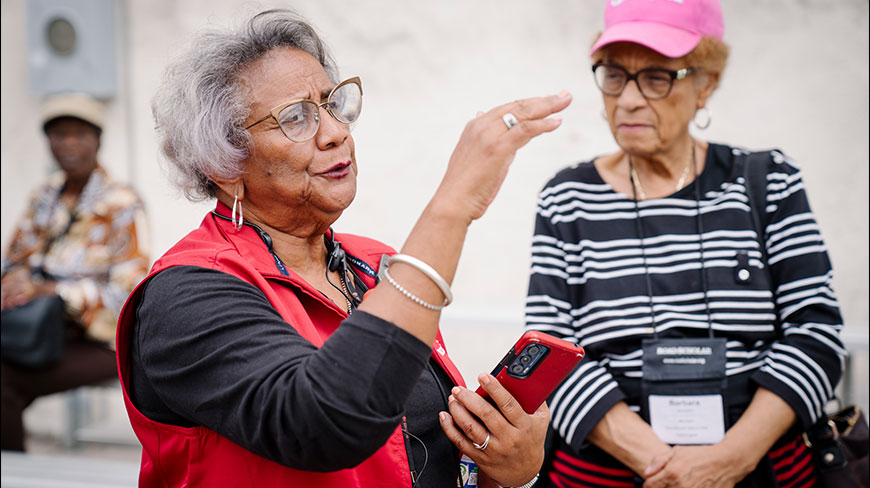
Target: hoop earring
column 238, row 223
column 706, row 118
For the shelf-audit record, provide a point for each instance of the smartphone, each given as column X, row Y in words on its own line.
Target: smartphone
column 533, row 368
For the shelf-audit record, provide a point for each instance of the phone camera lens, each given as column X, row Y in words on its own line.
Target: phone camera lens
column 525, row 359
column 533, row 350
column 517, row 368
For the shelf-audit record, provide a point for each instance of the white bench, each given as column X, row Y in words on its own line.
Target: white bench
column 24, row 470
column 95, row 414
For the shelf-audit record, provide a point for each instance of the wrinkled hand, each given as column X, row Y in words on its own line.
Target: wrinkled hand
column 695, row 467
column 18, row 288
column 515, row 452
column 486, row 149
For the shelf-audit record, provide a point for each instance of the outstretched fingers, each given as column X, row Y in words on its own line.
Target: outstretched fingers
column 531, row 117
column 534, row 108
column 486, row 149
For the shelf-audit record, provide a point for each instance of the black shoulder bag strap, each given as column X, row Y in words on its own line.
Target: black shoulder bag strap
column 755, row 179
column 39, row 270
column 755, row 176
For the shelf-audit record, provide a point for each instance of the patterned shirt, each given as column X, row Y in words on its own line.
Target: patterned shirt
column 99, row 260
column 589, row 272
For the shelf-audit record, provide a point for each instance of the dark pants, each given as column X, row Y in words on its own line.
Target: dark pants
column 84, row 362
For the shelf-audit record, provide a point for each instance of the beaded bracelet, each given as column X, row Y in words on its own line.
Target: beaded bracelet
column 426, row 270
column 414, row 298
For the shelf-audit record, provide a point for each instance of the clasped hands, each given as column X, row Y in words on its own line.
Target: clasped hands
column 714, row 465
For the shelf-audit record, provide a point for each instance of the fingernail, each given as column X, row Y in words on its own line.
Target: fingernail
column 558, row 120
column 455, row 390
column 564, row 94
column 442, row 416
column 484, row 379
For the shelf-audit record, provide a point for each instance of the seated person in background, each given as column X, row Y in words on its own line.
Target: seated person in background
column 82, row 239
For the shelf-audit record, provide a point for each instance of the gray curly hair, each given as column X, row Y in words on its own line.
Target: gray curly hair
column 200, row 108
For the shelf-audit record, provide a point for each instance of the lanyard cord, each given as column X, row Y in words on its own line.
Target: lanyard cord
column 699, row 227
column 267, row 240
column 640, row 235
column 264, row 236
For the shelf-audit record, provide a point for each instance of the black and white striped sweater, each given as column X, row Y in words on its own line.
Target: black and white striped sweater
column 588, row 284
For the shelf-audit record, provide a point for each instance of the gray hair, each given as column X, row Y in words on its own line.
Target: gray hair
column 200, row 107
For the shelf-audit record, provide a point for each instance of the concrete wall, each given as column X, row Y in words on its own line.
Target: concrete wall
column 797, row 80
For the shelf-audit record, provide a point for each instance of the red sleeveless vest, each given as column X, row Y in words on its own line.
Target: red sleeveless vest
column 197, row 456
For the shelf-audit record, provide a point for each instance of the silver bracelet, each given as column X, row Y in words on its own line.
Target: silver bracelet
column 410, row 295
column 529, row 484
column 426, row 270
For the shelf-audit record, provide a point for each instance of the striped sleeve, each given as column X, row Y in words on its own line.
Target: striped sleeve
column 804, row 365
column 590, row 391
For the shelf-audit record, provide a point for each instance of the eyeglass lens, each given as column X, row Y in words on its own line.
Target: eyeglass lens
column 652, row 83
column 300, row 120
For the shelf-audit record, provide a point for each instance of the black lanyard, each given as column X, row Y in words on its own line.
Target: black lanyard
column 699, row 227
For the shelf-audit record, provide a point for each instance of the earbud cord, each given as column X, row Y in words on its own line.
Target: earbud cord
column 342, row 290
column 419, row 474
column 342, row 272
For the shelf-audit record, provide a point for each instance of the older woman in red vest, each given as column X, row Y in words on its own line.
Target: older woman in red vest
column 264, row 349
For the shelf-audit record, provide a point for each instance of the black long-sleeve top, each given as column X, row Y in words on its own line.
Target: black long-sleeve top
column 229, row 362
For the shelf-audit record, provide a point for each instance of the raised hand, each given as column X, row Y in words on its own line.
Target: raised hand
column 486, row 149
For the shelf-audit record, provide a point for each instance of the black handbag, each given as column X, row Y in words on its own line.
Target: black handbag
column 32, row 335
column 839, row 443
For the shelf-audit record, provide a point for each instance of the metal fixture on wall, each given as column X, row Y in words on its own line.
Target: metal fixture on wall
column 72, row 46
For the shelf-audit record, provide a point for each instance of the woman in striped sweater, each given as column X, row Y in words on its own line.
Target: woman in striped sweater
column 709, row 347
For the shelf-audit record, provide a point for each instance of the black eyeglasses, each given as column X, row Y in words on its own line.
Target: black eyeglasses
column 653, row 83
column 299, row 120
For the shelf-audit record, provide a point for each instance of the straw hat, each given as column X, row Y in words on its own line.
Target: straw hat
column 77, row 105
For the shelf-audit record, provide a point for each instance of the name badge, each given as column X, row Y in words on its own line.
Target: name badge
column 683, row 385
column 687, row 419
column 683, row 359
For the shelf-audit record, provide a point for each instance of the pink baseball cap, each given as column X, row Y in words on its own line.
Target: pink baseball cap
column 670, row 27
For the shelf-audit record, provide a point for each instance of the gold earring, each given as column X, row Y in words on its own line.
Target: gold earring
column 706, row 118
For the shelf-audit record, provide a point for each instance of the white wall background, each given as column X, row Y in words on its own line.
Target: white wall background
column 797, row 80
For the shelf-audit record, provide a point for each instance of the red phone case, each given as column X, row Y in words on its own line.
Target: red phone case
column 537, row 384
